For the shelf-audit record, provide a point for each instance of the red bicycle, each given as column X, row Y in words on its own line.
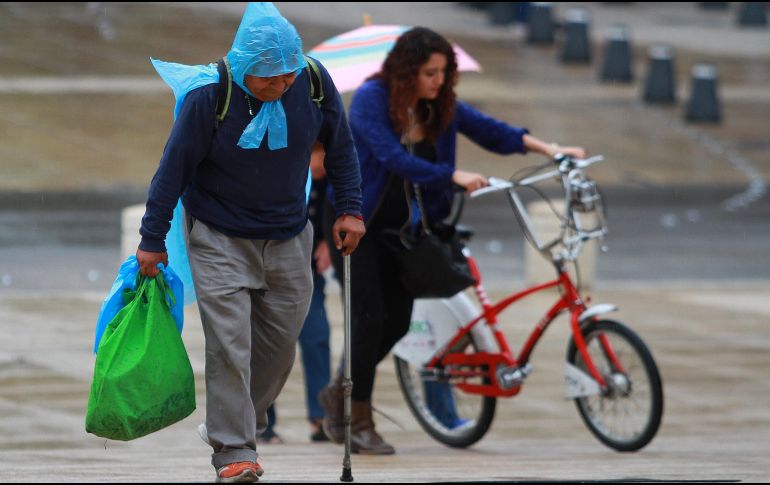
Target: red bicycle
column 455, row 362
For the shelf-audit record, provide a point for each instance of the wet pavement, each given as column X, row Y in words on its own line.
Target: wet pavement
column 689, row 220
column 711, row 345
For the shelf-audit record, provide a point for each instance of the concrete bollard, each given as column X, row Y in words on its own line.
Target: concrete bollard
column 660, row 85
column 547, row 227
column 617, row 65
column 130, row 221
column 704, row 105
column 577, row 44
column 501, row 13
column 752, row 14
column 541, row 24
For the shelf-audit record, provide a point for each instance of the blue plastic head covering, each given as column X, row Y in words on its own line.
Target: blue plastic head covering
column 265, row 45
column 182, row 79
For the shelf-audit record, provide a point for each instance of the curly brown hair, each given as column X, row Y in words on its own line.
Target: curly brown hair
column 399, row 73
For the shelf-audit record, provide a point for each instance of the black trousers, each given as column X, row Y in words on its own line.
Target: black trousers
column 381, row 309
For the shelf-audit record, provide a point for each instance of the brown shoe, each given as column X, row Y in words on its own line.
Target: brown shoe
column 332, row 399
column 363, row 438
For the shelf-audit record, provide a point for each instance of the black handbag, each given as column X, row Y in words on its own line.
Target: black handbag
column 432, row 266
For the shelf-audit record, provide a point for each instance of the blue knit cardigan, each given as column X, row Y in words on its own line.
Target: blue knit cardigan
column 381, row 154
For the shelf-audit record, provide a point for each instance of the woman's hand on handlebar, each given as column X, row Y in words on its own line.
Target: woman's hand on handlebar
column 550, row 150
column 574, row 152
column 470, row 181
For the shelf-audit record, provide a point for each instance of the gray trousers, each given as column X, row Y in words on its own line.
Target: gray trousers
column 253, row 296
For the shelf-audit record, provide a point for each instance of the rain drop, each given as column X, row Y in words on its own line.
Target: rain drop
column 669, row 221
column 106, row 29
column 495, row 247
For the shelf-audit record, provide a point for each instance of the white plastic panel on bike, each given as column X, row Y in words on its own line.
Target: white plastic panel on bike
column 577, row 383
column 434, row 322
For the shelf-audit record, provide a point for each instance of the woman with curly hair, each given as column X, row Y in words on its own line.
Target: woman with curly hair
column 405, row 121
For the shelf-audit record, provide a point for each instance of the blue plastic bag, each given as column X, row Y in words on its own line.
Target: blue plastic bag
column 126, row 280
column 177, row 253
column 177, row 288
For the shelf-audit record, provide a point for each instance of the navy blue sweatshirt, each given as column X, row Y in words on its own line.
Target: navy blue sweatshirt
column 250, row 193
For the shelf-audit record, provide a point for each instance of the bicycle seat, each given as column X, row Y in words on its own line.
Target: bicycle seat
column 465, row 233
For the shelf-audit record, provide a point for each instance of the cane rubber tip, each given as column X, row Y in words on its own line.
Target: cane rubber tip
column 347, row 475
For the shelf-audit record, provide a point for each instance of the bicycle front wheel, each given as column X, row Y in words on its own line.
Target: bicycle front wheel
column 625, row 416
column 446, row 413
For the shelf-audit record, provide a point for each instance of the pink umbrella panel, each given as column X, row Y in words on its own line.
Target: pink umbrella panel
column 353, row 56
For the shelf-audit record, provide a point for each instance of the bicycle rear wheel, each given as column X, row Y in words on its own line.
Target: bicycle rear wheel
column 626, row 416
column 448, row 414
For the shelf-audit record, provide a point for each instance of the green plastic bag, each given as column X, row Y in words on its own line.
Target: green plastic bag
column 143, row 380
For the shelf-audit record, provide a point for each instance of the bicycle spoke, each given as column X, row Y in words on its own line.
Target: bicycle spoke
column 448, row 414
column 626, row 414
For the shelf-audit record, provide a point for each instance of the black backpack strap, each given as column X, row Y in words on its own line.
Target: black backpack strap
column 224, row 91
column 316, row 85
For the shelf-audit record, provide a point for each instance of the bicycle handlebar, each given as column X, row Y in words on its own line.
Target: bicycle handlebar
column 566, row 164
column 587, row 162
column 495, row 185
column 581, row 163
column 580, row 195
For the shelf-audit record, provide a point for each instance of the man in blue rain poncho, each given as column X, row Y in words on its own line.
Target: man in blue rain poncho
column 242, row 183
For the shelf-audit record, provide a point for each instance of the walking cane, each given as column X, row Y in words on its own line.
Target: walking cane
column 347, row 383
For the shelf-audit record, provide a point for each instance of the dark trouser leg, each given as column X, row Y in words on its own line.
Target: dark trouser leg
column 314, row 346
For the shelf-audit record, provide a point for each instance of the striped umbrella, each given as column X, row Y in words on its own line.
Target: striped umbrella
column 353, row 56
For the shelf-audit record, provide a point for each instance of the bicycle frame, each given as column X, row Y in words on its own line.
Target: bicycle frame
column 455, row 347
column 447, row 363
column 570, row 301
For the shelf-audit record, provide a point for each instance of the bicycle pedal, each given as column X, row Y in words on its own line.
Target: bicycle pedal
column 510, row 377
column 435, row 375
